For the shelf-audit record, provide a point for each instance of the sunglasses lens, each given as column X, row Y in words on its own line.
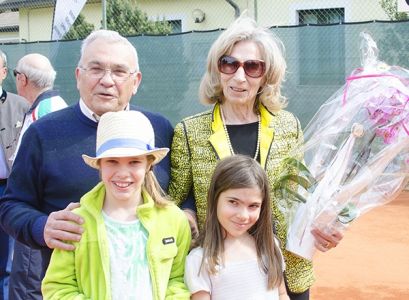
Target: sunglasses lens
column 254, row 68
column 228, row 65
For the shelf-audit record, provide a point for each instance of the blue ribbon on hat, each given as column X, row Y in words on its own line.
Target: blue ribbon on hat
column 123, row 143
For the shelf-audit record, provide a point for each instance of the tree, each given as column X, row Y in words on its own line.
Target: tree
column 124, row 17
column 79, row 30
column 393, row 42
column 391, row 9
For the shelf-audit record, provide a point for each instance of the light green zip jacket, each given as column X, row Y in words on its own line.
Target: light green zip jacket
column 85, row 274
column 200, row 141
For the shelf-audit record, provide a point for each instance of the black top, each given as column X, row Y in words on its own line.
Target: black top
column 243, row 138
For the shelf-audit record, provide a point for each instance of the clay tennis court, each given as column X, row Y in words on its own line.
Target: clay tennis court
column 372, row 261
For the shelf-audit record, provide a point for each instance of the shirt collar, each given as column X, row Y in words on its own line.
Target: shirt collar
column 89, row 113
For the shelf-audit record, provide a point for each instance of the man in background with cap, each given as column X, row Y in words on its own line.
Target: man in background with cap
column 12, row 110
column 49, row 172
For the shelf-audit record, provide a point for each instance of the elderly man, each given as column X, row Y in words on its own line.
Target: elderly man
column 12, row 110
column 35, row 81
column 49, row 172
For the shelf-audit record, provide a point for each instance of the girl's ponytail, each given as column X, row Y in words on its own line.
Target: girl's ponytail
column 153, row 188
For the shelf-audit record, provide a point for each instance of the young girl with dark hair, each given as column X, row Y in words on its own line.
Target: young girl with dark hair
column 238, row 256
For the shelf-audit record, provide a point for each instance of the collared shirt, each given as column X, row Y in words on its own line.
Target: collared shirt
column 89, row 113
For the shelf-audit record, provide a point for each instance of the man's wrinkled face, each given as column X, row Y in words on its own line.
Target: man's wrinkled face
column 107, row 93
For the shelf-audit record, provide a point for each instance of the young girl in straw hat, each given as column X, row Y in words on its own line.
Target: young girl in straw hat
column 237, row 257
column 135, row 241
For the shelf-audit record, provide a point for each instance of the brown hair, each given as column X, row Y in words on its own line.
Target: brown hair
column 235, row 172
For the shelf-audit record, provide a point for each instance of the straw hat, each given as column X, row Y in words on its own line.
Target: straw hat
column 125, row 134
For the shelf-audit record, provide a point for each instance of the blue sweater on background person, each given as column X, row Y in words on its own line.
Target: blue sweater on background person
column 48, row 174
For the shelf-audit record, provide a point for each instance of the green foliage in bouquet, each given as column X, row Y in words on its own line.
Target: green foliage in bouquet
column 294, row 174
column 348, row 213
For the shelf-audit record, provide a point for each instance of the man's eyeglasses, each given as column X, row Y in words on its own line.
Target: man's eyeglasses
column 118, row 75
column 253, row 68
column 15, row 72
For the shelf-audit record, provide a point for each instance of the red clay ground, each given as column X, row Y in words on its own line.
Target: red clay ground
column 372, row 261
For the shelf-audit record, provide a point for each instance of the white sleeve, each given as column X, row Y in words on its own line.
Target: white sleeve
column 194, row 281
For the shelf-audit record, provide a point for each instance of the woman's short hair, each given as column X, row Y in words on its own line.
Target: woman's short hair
column 272, row 51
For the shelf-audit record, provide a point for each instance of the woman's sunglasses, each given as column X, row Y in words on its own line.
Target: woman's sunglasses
column 253, row 68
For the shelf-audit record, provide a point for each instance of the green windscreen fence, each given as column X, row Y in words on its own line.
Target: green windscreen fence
column 319, row 59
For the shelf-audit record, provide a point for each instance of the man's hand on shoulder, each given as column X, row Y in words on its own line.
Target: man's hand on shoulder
column 63, row 226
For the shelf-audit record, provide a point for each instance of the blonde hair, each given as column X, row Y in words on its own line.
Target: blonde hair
column 271, row 48
column 153, row 187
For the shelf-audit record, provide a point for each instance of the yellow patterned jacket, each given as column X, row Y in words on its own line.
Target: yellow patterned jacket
column 200, row 141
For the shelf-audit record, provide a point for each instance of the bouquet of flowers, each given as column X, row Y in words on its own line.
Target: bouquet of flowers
column 356, row 150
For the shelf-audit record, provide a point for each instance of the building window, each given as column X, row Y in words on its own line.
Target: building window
column 321, row 16
column 322, row 48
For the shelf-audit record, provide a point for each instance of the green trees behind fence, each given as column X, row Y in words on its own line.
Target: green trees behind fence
column 124, row 17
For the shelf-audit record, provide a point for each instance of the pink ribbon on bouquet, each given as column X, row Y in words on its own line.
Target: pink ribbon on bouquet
column 350, row 78
column 354, row 77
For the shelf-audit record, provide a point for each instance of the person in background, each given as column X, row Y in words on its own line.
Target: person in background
column 244, row 73
column 238, row 257
column 35, row 78
column 12, row 110
column 49, row 172
column 34, row 81
column 135, row 240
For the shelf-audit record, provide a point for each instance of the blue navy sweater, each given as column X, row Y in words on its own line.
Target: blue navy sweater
column 49, row 172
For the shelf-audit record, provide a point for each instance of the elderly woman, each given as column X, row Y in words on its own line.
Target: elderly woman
column 244, row 73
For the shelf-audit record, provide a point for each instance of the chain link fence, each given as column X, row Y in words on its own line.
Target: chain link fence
column 173, row 37
column 31, row 20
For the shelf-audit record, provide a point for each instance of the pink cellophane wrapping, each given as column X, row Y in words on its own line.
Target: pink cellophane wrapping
column 356, row 147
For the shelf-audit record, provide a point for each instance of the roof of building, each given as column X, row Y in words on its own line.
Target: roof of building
column 13, row 4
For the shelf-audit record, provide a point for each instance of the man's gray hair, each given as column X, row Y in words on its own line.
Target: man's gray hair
column 109, row 36
column 41, row 77
column 3, row 58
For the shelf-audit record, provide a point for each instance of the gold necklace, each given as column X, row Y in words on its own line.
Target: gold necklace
column 228, row 137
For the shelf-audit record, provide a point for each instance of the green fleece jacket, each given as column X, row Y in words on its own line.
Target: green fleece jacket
column 84, row 273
